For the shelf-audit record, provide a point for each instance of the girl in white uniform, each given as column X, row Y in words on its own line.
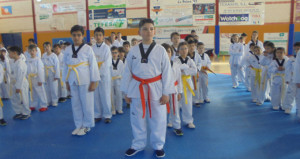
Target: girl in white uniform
column 277, row 72
column 236, row 51
column 36, row 79
column 52, row 72
column 255, row 73
column 188, row 69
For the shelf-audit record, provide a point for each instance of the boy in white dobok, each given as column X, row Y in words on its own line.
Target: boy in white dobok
column 203, row 76
column 116, row 75
column 62, row 90
column 36, row 79
column 80, row 72
column 277, row 71
column 174, row 110
column 291, row 86
column 103, row 91
column 52, row 73
column 147, row 83
column 19, row 84
column 188, row 69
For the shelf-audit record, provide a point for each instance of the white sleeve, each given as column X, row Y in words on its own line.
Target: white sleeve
column 168, row 85
column 64, row 69
column 192, row 70
column 56, row 67
column 41, row 71
column 296, row 75
column 126, row 76
column 20, row 76
column 94, row 72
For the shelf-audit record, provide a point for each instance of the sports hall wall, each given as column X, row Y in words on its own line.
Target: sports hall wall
column 54, row 18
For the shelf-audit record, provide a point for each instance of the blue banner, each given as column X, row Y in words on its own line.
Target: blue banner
column 234, row 17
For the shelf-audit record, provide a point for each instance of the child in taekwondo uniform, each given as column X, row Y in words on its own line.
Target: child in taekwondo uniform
column 296, row 80
column 52, row 72
column 80, row 72
column 116, row 74
column 2, row 121
column 193, row 54
column 291, row 86
column 236, row 51
column 255, row 74
column 203, row 76
column 103, row 91
column 62, row 90
column 36, row 79
column 188, row 68
column 277, row 71
column 174, row 111
column 4, row 62
column 147, row 78
column 19, row 85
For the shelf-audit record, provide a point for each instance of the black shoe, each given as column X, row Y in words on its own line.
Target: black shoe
column 69, row 96
column 17, row 116
column 197, row 104
column 97, row 119
column 128, row 105
column 206, row 101
column 61, row 100
column 160, row 153
column 3, row 122
column 107, row 120
column 178, row 132
column 131, row 152
column 24, row 117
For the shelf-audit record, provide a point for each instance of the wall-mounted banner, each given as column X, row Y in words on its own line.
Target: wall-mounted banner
column 242, row 12
column 133, row 22
column 6, row 10
column 106, row 4
column 109, row 23
column 68, row 6
column 204, row 14
column 279, row 39
column 298, row 11
column 109, row 13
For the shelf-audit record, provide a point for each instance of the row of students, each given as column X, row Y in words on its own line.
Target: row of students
column 272, row 76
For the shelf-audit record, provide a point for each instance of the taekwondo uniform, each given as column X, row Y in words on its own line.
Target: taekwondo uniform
column 291, row 86
column 4, row 86
column 80, row 69
column 147, row 76
column 174, row 114
column 296, row 79
column 116, row 74
column 195, row 78
column 62, row 89
column 118, row 43
column 188, row 69
column 1, row 80
column 247, row 69
column 175, row 52
column 38, row 53
column 52, row 71
column 278, row 82
column 236, row 51
column 19, row 101
column 266, row 78
column 103, row 91
column 203, row 77
column 35, row 74
column 258, row 43
column 255, row 76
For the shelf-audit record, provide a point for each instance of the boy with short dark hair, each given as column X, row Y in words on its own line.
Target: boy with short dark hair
column 148, row 66
column 19, row 84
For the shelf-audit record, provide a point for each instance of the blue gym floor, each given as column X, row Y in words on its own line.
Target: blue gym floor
column 229, row 127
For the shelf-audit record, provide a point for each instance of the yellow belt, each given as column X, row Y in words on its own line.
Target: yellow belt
column 73, row 67
column 61, row 81
column 47, row 68
column 30, row 76
column 1, row 103
column 186, row 85
column 116, row 77
column 100, row 64
column 257, row 76
column 283, row 83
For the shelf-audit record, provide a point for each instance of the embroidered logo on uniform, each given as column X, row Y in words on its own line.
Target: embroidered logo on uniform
column 133, row 57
